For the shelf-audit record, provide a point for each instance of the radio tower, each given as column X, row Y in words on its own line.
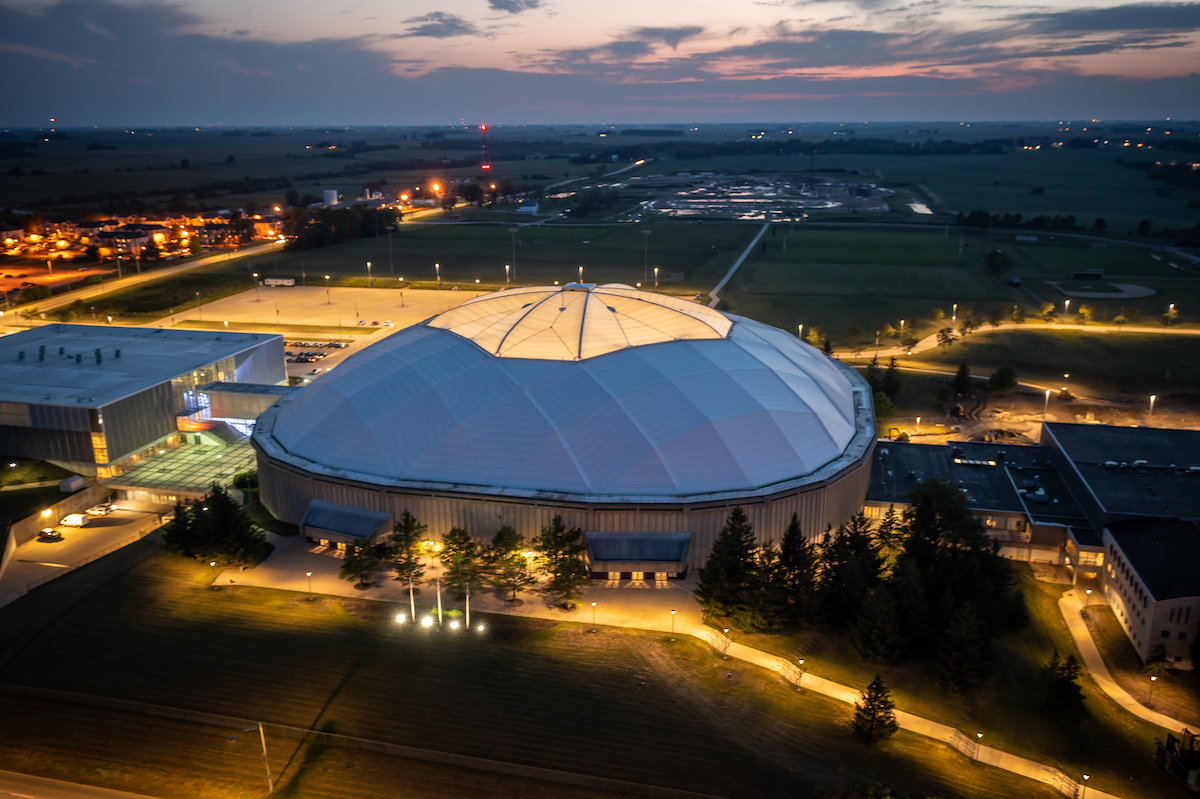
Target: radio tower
column 484, row 164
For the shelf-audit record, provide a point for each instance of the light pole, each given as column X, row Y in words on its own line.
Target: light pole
column 412, row 603
column 800, row 332
column 1153, row 679
column 309, row 576
column 800, row 674
column 439, row 593
column 1152, row 398
column 368, row 274
column 327, row 300
column 901, row 332
column 656, row 277
column 645, row 256
column 1083, row 793
column 593, row 618
column 1066, row 307
column 513, row 233
column 1088, row 599
column 437, row 269
column 213, row 565
column 468, row 587
column 262, row 736
column 725, row 644
column 672, row 625
column 1046, row 407
column 391, row 265
column 581, row 273
column 954, row 314
column 199, row 309
column 506, row 277
column 978, row 739
column 257, row 298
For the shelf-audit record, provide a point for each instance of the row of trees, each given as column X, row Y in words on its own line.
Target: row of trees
column 927, row 583
column 508, row 562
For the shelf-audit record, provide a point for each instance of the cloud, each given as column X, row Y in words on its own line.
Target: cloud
column 1131, row 17
column 440, row 25
column 49, row 55
column 241, row 32
column 514, row 6
column 668, row 36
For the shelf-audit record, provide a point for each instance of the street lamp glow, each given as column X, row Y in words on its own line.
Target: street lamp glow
column 454, row 624
column 401, row 618
column 427, row 621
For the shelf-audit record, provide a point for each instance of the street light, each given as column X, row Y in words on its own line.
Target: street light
column 1046, row 407
column 437, row 269
column 309, row 576
column 327, row 300
column 581, row 273
column 1066, row 307
column 1087, row 602
column 593, row 618
column 672, row 625
column 656, row 277
column 257, row 298
column 646, row 256
column 368, row 274
column 954, row 314
column 1086, row 777
column 725, row 644
column 213, row 565
column 506, row 276
column 513, row 235
column 1152, row 398
column 1153, row 679
column 266, row 760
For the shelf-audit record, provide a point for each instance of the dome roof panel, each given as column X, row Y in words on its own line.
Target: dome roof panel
column 587, row 321
column 748, row 408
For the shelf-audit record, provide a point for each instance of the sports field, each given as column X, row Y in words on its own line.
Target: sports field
column 622, row 704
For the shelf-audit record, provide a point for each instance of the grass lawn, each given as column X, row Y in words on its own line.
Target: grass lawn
column 1112, row 746
column 1065, row 256
column 1183, row 292
column 1099, row 364
column 623, row 704
column 466, row 253
column 15, row 471
column 22, row 502
column 1176, row 693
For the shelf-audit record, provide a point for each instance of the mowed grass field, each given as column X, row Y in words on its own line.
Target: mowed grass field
column 1099, row 364
column 1111, row 745
column 609, row 254
column 619, row 703
column 867, row 278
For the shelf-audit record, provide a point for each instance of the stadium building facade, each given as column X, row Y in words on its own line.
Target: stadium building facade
column 641, row 418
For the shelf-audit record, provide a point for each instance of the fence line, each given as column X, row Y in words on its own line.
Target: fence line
column 352, row 742
column 1062, row 783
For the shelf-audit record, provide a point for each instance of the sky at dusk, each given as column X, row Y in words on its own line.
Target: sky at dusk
column 306, row 62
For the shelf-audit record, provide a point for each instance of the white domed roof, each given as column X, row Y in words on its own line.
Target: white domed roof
column 731, row 412
column 578, row 321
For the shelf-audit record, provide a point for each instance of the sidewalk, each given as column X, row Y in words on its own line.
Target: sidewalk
column 634, row 605
column 1072, row 611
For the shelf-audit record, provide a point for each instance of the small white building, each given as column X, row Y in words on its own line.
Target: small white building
column 528, row 207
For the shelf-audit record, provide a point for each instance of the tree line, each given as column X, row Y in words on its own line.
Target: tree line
column 508, row 562
column 927, row 583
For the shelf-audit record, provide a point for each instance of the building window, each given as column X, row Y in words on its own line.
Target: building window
column 1183, row 636
column 1165, row 634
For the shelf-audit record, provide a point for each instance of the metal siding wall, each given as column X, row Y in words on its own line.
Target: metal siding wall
column 136, row 422
column 286, row 493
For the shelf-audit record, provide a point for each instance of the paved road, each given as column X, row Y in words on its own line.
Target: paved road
column 154, row 276
column 26, row 787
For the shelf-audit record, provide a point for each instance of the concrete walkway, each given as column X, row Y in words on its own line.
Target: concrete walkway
column 27, row 787
column 626, row 603
column 714, row 294
column 1071, row 608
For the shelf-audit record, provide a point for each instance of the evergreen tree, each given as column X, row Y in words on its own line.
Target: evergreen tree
column 561, row 551
column 887, row 532
column 828, row 347
column 404, row 548
column 917, row 622
column 850, row 568
column 765, row 604
column 360, row 564
column 220, row 530
column 874, row 375
column 459, row 557
column 726, row 574
column 876, row 635
column 875, row 713
column 1003, row 380
column 1064, row 698
column 177, row 533
column 962, row 380
column 798, row 567
column 964, row 656
column 892, row 379
column 510, row 567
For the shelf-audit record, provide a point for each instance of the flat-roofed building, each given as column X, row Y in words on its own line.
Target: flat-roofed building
column 99, row 399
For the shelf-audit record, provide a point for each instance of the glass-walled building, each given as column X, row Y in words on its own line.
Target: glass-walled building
column 99, row 400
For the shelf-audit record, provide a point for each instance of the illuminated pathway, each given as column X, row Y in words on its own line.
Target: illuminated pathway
column 27, row 787
column 635, row 605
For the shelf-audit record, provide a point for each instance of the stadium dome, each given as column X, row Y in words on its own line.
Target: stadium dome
column 641, row 418
column 580, row 390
